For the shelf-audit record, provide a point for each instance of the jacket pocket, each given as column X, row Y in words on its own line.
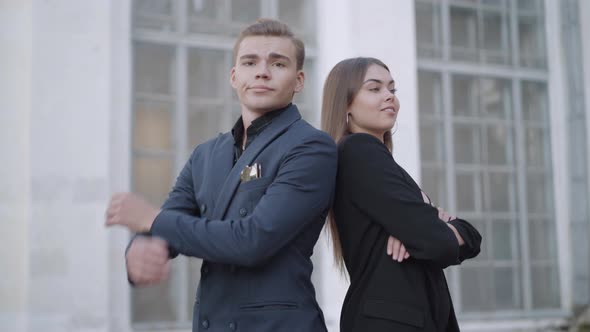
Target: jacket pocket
column 398, row 312
column 269, row 305
column 254, row 184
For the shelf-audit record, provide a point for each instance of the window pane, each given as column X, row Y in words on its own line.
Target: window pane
column 505, row 284
column 209, row 16
column 496, row 98
column 300, row 17
column 499, row 141
column 306, row 99
column 217, row 17
column 245, row 11
column 154, row 68
column 464, row 32
column 465, row 96
column 545, row 290
column 493, row 3
column 152, row 178
column 429, row 93
column 476, row 290
column 501, row 192
column 206, row 9
column 431, row 141
column 534, row 101
column 434, row 184
column 208, row 75
column 205, row 123
column 428, row 29
column 531, row 41
column 154, row 304
column 153, row 14
column 466, row 140
column 537, row 147
column 542, row 239
column 528, row 4
column 466, row 194
column 538, row 193
column 495, row 38
column 152, row 125
column 502, row 240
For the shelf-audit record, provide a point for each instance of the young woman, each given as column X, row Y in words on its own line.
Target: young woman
column 379, row 213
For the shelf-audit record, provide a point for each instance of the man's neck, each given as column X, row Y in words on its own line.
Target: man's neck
column 248, row 116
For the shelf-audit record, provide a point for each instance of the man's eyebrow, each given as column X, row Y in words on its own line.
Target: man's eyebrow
column 249, row 56
column 271, row 56
column 278, row 56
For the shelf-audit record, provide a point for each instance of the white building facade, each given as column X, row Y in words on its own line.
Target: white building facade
column 104, row 96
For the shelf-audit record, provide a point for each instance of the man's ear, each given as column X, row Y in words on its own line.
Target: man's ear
column 232, row 77
column 300, row 81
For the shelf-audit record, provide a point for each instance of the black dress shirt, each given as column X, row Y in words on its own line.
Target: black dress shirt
column 255, row 128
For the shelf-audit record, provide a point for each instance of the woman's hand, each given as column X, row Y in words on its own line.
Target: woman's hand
column 444, row 215
column 396, row 249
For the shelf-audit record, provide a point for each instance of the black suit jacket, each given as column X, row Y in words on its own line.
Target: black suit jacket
column 376, row 198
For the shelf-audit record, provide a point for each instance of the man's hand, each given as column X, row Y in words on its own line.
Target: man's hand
column 131, row 211
column 147, row 261
column 396, row 249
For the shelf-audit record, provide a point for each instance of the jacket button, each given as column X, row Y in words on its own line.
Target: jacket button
column 205, row 324
column 203, row 208
column 232, row 326
column 243, row 212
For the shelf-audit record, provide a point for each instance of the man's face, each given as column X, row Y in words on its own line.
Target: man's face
column 265, row 74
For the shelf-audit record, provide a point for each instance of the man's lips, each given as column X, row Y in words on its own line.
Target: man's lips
column 260, row 88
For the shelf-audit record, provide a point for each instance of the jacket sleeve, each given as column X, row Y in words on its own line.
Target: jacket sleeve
column 377, row 188
column 300, row 194
column 470, row 236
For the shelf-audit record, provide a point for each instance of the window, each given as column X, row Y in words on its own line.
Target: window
column 182, row 55
column 485, row 147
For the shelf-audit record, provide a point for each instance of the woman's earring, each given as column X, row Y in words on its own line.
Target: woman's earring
column 347, row 115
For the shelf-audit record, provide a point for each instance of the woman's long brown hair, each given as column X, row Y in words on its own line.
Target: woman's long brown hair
column 341, row 87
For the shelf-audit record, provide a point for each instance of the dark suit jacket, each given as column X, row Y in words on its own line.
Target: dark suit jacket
column 255, row 237
column 376, row 198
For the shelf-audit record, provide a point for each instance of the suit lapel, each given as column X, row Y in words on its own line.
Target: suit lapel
column 275, row 129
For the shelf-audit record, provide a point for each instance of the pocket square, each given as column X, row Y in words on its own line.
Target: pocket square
column 251, row 173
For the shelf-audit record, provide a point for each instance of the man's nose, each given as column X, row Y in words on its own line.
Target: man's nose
column 263, row 72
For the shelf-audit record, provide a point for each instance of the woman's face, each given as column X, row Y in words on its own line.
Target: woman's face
column 375, row 107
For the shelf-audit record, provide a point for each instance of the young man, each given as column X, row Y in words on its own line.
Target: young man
column 251, row 203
